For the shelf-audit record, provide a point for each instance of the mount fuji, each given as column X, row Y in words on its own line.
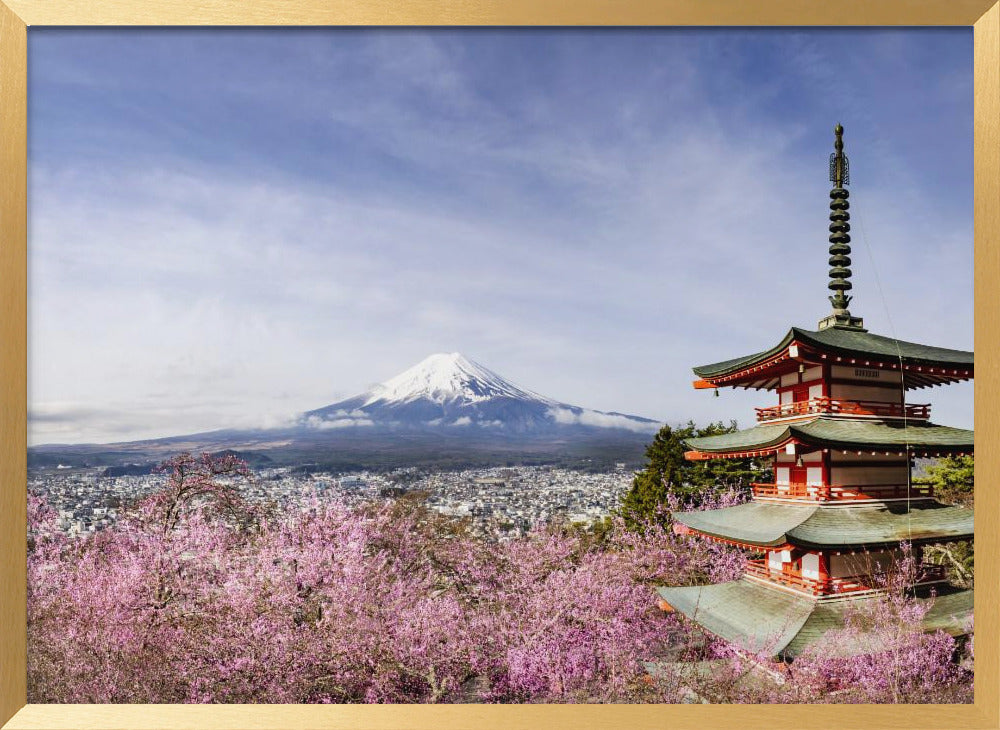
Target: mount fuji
column 445, row 411
column 450, row 391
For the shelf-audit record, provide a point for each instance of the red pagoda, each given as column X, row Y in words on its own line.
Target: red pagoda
column 841, row 440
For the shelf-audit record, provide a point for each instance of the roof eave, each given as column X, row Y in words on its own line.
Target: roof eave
column 747, row 371
column 713, row 371
column 797, row 433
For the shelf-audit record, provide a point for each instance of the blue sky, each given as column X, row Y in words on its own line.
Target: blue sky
column 230, row 227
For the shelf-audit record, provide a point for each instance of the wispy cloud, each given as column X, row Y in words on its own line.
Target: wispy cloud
column 604, row 420
column 587, row 213
column 324, row 424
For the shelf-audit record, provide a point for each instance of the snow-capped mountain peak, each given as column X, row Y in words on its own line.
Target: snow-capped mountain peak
column 446, row 377
column 448, row 391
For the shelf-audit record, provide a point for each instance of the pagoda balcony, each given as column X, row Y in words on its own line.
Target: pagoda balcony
column 835, row 406
column 834, row 586
column 841, row 493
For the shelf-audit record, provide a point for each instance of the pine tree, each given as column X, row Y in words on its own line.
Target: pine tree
column 952, row 478
column 667, row 472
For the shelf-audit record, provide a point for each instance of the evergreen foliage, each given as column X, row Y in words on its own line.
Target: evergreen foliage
column 952, row 479
column 667, row 473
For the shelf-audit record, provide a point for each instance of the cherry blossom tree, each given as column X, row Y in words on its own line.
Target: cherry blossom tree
column 197, row 595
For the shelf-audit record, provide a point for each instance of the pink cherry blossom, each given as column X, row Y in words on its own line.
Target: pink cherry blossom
column 196, row 595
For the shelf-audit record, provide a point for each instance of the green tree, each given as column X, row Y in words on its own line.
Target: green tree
column 667, row 472
column 958, row 558
column 952, row 479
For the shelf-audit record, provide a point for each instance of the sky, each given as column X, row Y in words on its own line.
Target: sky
column 230, row 227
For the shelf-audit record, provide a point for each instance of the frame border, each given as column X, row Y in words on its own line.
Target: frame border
column 17, row 15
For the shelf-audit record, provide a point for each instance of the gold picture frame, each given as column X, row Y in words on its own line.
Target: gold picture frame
column 17, row 15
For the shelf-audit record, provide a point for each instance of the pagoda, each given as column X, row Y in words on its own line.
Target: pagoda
column 841, row 441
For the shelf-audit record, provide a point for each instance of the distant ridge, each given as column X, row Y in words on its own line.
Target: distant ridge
column 445, row 410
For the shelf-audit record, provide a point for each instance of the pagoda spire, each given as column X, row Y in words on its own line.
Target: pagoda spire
column 840, row 240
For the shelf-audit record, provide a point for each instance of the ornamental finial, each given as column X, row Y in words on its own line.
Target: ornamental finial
column 840, row 174
column 840, row 240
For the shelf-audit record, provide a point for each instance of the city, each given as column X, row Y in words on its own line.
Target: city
column 508, row 499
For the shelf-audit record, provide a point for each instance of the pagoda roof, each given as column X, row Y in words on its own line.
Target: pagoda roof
column 871, row 349
column 760, row 618
column 766, row 524
column 848, row 434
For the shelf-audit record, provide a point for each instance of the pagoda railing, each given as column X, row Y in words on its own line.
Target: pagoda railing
column 814, row 586
column 845, row 407
column 834, row 586
column 841, row 492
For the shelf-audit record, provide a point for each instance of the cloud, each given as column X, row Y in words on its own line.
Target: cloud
column 590, row 213
column 601, row 420
column 69, row 422
column 323, row 424
column 341, row 413
column 461, row 421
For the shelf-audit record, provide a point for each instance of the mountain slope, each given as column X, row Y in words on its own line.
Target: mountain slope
column 448, row 390
column 444, row 411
